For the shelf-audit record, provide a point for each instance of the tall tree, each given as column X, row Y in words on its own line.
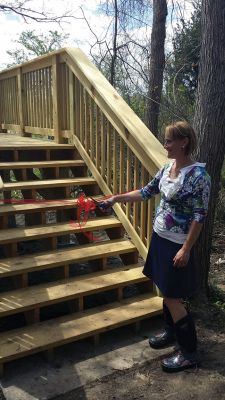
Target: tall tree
column 122, row 51
column 157, row 64
column 35, row 44
column 209, row 120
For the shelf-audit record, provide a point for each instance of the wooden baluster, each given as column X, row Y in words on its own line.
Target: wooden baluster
column 97, row 154
column 92, row 129
column 121, row 174
column 87, row 122
column 115, row 161
column 20, row 99
column 109, row 155
column 129, row 173
column 56, row 99
column 136, row 186
column 71, row 104
column 82, row 114
column 103, row 145
column 143, row 208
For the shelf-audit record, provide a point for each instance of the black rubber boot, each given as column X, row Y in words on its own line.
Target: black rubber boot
column 187, row 340
column 167, row 336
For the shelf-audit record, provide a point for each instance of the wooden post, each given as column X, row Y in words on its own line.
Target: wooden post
column 56, row 100
column 71, row 105
column 20, row 100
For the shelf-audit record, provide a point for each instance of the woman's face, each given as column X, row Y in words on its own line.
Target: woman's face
column 174, row 147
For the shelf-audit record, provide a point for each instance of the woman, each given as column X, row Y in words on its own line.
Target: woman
column 185, row 187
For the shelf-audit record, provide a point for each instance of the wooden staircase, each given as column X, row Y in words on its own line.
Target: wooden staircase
column 57, row 285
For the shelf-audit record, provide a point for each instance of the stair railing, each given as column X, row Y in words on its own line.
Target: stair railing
column 63, row 95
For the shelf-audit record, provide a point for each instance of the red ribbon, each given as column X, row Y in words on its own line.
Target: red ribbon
column 84, row 206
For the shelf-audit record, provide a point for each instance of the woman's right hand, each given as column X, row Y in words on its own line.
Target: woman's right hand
column 105, row 204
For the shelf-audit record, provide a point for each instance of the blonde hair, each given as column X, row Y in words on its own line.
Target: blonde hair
column 180, row 130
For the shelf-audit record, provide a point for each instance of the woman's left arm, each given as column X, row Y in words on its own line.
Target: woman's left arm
column 183, row 255
column 200, row 196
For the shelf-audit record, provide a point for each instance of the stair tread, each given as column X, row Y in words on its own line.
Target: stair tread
column 34, row 145
column 52, row 333
column 23, row 264
column 51, row 230
column 40, row 164
column 36, row 205
column 41, row 295
column 48, row 183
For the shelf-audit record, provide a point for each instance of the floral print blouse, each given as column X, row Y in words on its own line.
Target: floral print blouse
column 183, row 200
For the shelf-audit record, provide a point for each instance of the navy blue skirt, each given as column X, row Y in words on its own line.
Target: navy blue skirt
column 172, row 281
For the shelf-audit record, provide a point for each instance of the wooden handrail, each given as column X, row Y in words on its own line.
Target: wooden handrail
column 62, row 94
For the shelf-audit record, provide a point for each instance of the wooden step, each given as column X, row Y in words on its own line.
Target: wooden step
column 18, row 265
column 38, row 205
column 34, row 297
column 48, row 183
column 51, row 230
column 41, row 164
column 53, row 333
column 34, row 145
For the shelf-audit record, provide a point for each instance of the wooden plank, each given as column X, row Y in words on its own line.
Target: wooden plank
column 19, row 265
column 92, row 130
column 33, row 297
column 49, row 183
column 55, row 99
column 33, row 145
column 143, row 225
column 32, row 95
column 86, row 123
column 50, row 334
column 42, row 205
column 51, row 230
column 20, row 98
column 121, row 172
column 41, row 164
column 109, row 155
column 128, row 178
column 81, row 118
column 136, row 186
column 115, row 162
column 97, row 138
column 77, row 108
column 36, row 65
column 103, row 146
column 71, row 103
column 39, row 131
column 49, row 98
column 12, row 127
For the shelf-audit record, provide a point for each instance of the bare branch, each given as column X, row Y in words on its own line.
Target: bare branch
column 31, row 14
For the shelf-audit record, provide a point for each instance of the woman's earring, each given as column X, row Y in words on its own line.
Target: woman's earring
column 182, row 147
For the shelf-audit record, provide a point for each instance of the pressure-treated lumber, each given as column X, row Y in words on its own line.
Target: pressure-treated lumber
column 19, row 300
column 18, row 265
column 37, row 184
column 51, row 230
column 42, row 206
column 53, row 333
column 42, row 164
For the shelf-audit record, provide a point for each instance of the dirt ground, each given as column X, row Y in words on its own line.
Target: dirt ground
column 149, row 382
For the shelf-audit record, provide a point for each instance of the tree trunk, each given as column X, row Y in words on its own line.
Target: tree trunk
column 157, row 64
column 114, row 56
column 209, row 120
